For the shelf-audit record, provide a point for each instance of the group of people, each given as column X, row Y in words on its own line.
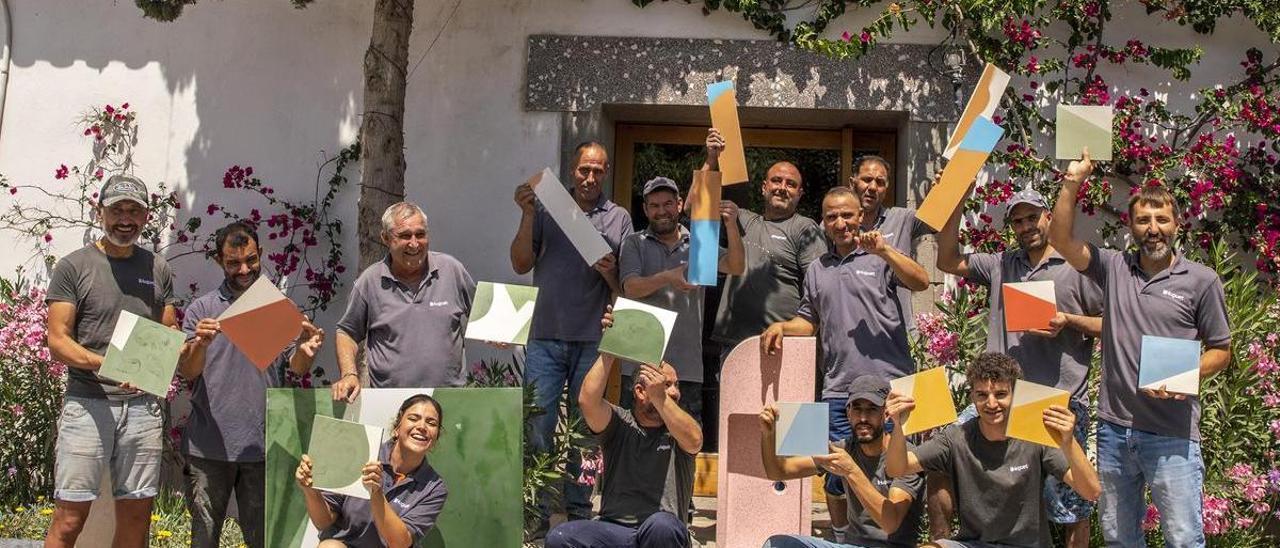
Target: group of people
column 847, row 280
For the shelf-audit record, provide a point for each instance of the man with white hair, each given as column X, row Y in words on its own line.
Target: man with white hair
column 410, row 310
column 105, row 425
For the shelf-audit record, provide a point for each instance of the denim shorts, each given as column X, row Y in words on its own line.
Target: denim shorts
column 120, row 437
column 1062, row 502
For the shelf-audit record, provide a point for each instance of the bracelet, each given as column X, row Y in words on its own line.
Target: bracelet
column 349, row 373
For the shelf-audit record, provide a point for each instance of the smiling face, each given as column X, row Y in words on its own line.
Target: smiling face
column 1154, row 227
column 1030, row 224
column 841, row 215
column 781, row 189
column 871, row 182
column 240, row 265
column 588, row 173
column 407, row 242
column 418, row 428
column 867, row 420
column 992, row 400
column 662, row 208
column 122, row 222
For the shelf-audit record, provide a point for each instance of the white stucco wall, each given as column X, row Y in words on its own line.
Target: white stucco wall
column 256, row 82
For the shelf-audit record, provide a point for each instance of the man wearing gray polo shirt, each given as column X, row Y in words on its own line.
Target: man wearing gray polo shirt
column 852, row 301
column 106, row 426
column 1059, row 356
column 897, row 225
column 652, row 266
column 409, row 309
column 779, row 246
column 571, row 297
column 224, row 443
column 1147, row 438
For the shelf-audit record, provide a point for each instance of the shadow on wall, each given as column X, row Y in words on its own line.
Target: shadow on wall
column 245, row 83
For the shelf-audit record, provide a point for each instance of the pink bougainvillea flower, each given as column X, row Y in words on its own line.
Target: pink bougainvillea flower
column 61, row 172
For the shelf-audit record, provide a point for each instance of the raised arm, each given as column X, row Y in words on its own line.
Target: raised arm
column 306, row 348
column 391, row 529
column 595, row 409
column 715, row 145
column 686, row 431
column 950, row 259
column 191, row 361
column 780, row 468
column 1062, row 228
column 734, row 261
column 322, row 516
column 522, row 256
column 898, row 461
column 906, row 269
column 1080, row 474
column 887, row 510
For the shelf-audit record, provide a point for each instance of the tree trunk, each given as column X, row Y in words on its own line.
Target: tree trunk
column 386, row 64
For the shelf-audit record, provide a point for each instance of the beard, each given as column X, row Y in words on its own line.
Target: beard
column 1156, row 250
column 122, row 243
column 662, row 226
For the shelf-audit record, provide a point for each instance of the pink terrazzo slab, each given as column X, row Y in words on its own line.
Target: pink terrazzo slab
column 750, row 507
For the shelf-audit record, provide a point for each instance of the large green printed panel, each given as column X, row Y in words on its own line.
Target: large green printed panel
column 478, row 455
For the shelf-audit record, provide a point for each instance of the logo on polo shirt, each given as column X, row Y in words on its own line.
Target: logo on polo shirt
column 867, row 273
column 1022, row 468
column 778, row 237
column 437, row 303
column 1173, row 295
column 887, row 236
column 664, row 447
column 400, row 503
column 881, row 482
column 145, row 281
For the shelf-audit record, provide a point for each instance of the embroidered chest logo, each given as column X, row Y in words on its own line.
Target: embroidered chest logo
column 866, row 273
column 437, row 303
column 145, row 281
column 778, row 237
column 1173, row 295
column 1022, row 468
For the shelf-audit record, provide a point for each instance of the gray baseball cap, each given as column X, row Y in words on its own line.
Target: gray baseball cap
column 872, row 388
column 1026, row 196
column 660, row 183
column 123, row 187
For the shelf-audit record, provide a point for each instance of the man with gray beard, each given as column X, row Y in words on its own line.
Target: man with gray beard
column 1147, row 437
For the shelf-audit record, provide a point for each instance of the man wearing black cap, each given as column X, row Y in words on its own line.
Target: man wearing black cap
column 106, row 425
column 1059, row 356
column 884, row 510
column 652, row 266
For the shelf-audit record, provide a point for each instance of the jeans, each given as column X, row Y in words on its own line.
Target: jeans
column 660, row 530
column 548, row 365
column 1128, row 461
column 800, row 541
column 96, row 435
column 211, row 483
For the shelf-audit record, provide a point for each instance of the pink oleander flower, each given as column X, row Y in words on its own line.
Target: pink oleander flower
column 1152, row 519
column 1216, row 512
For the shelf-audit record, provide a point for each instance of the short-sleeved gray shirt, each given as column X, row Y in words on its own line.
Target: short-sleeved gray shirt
column 855, row 303
column 900, row 228
column 863, row 529
column 645, row 471
column 1185, row 301
column 998, row 485
column 777, row 255
column 229, row 398
column 644, row 255
column 100, row 287
column 412, row 335
column 572, row 294
column 417, row 500
column 1062, row 361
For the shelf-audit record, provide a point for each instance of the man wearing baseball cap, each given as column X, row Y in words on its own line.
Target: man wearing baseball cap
column 652, row 267
column 883, row 511
column 1059, row 356
column 105, row 425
